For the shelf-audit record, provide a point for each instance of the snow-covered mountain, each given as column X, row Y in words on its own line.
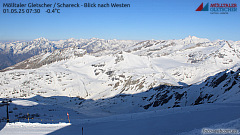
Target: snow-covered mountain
column 17, row 51
column 47, row 94
column 102, row 71
column 94, row 77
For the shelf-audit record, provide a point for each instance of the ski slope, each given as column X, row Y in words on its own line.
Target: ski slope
column 185, row 121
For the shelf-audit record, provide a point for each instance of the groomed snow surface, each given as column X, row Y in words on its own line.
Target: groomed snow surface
column 182, row 120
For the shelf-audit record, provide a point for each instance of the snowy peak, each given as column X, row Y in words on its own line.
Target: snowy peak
column 191, row 38
column 42, row 39
column 194, row 39
column 71, row 40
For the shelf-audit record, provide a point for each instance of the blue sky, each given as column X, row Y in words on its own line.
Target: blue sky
column 145, row 19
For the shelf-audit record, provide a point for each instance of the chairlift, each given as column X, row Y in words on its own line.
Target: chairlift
column 6, row 100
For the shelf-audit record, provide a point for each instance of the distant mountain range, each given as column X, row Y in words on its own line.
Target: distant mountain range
column 17, row 51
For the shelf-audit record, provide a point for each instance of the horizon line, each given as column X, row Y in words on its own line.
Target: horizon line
column 49, row 39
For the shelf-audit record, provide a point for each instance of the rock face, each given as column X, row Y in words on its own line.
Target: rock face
column 222, row 87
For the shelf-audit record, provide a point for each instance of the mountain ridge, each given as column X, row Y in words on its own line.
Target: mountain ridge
column 17, row 51
column 92, row 80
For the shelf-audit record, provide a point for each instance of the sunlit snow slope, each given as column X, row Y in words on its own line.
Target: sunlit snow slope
column 97, row 78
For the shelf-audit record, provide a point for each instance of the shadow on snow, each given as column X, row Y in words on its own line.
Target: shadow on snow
column 54, row 109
